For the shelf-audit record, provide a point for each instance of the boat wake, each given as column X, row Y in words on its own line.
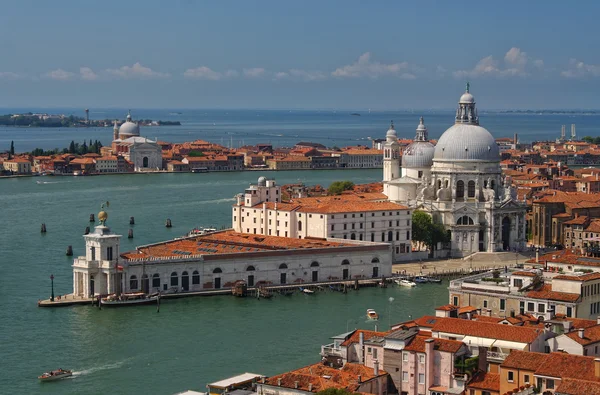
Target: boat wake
column 108, row 366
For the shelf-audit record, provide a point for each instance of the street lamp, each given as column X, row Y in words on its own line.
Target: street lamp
column 52, row 281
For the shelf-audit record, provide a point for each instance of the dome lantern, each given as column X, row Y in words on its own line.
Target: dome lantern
column 466, row 113
column 391, row 133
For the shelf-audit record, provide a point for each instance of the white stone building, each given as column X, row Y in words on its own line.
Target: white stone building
column 353, row 216
column 459, row 182
column 220, row 259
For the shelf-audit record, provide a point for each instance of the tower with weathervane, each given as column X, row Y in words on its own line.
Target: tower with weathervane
column 98, row 272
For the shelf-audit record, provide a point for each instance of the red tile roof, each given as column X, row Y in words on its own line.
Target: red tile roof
column 546, row 293
column 580, row 278
column 567, row 366
column 487, row 330
column 355, row 338
column 523, row 360
column 417, row 344
column 590, row 335
column 524, row 273
column 322, row 377
column 578, row 387
column 485, row 381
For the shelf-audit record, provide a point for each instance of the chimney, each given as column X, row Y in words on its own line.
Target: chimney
column 296, row 384
column 567, row 326
column 581, row 333
column 279, row 382
column 482, row 364
column 597, row 367
column 375, row 327
column 598, row 320
column 359, row 378
column 537, row 255
column 263, row 380
column 361, row 347
column 375, row 367
column 309, row 387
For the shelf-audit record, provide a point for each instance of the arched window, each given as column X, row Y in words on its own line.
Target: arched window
column 353, row 236
column 300, row 225
column 250, row 268
column 465, row 220
column 460, row 189
column 145, row 161
column 372, row 236
column 375, row 260
column 493, row 185
column 156, row 280
column 397, row 235
column 217, row 270
column 382, row 236
column 133, row 282
column 174, row 279
column 439, row 184
column 283, row 266
column 195, row 277
column 471, row 189
column 446, row 184
column 345, row 262
column 145, row 283
column 314, row 264
column 390, row 236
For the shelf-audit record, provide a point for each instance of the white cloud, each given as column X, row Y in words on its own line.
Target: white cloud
column 87, row 74
column 516, row 64
column 206, row 73
column 365, row 67
column 254, row 72
column 578, row 69
column 300, row 75
column 203, row 73
column 136, row 71
column 60, row 75
column 9, row 75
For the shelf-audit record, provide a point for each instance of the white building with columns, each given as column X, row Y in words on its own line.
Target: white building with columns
column 145, row 154
column 459, row 182
column 352, row 216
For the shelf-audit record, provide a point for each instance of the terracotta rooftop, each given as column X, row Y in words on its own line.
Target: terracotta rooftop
column 486, row 330
column 524, row 273
column 581, row 278
column 567, row 366
column 417, row 344
column 322, row 377
column 580, row 220
column 355, row 338
column 226, row 242
column 485, row 381
column 578, row 387
column 546, row 292
column 590, row 335
column 467, row 309
column 447, row 307
column 524, row 360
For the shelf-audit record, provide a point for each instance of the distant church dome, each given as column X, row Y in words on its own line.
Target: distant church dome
column 420, row 152
column 129, row 128
column 466, row 140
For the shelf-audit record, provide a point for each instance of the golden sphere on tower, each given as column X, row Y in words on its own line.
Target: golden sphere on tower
column 103, row 216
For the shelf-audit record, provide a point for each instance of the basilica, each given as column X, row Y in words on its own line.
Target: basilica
column 145, row 154
column 458, row 182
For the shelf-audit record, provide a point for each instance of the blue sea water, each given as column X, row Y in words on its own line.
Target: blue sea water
column 286, row 128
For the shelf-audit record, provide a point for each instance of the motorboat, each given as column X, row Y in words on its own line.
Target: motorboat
column 372, row 314
column 131, row 299
column 55, row 375
column 421, row 280
column 406, row 283
column 434, row 280
column 307, row 291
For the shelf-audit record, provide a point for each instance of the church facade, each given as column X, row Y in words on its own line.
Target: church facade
column 459, row 183
column 145, row 154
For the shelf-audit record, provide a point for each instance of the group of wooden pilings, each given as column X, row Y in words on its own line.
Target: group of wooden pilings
column 168, row 224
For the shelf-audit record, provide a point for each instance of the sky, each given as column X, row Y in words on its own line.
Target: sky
column 383, row 55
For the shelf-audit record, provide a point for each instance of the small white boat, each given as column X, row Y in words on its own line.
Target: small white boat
column 406, row 283
column 307, row 291
column 372, row 314
column 55, row 375
column 134, row 299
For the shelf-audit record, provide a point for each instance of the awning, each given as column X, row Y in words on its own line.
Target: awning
column 509, row 344
column 477, row 341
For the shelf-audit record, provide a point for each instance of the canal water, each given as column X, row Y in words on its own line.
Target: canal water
column 191, row 341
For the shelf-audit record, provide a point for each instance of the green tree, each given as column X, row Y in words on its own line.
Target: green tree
column 12, row 147
column 196, row 154
column 427, row 232
column 337, row 187
column 72, row 147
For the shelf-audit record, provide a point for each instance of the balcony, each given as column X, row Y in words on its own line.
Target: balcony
column 330, row 350
column 496, row 356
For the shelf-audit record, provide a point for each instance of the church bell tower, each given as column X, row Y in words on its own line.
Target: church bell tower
column 391, row 157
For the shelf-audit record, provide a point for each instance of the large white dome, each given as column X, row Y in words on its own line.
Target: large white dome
column 418, row 154
column 467, row 142
column 129, row 129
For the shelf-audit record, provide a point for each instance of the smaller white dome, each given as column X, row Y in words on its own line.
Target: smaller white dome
column 467, row 98
column 262, row 181
column 391, row 133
